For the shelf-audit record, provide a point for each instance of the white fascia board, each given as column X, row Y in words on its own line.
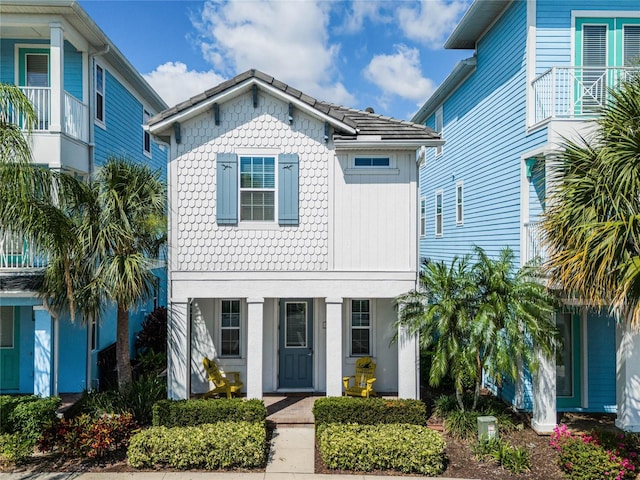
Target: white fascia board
column 234, row 91
column 386, row 144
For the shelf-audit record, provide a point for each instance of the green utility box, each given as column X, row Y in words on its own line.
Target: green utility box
column 487, row 427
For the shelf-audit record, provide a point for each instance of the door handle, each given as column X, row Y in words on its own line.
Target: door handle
column 310, row 353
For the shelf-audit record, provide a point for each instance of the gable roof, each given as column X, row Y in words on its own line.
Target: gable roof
column 478, row 18
column 73, row 13
column 349, row 124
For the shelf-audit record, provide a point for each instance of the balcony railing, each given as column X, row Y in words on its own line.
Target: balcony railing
column 532, row 245
column 18, row 253
column 575, row 92
column 75, row 120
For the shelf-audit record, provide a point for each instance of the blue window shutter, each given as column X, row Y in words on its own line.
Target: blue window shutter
column 227, row 189
column 288, row 189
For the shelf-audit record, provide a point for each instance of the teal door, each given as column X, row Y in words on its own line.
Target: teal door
column 295, row 344
column 9, row 348
column 568, row 368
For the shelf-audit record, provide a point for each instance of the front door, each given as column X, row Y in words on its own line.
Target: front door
column 9, row 349
column 568, row 378
column 295, row 344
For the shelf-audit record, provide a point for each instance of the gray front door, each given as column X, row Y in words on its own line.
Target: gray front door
column 296, row 344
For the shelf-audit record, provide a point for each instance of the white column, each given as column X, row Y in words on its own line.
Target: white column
column 334, row 347
column 178, row 354
column 255, row 327
column 544, row 395
column 42, row 352
column 627, row 377
column 56, row 62
column 408, row 365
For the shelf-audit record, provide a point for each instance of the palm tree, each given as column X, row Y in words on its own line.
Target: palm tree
column 17, row 115
column 441, row 313
column 480, row 317
column 592, row 226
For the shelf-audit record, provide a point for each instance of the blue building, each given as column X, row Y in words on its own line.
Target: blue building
column 537, row 72
column 91, row 103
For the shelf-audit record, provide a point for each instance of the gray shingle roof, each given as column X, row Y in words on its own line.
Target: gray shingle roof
column 365, row 123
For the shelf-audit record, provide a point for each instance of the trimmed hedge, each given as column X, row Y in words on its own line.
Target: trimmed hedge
column 223, row 445
column 7, row 404
column 402, row 447
column 368, row 411
column 190, row 413
column 31, row 418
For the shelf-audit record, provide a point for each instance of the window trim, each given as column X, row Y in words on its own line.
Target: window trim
column 423, row 217
column 352, row 169
column 274, row 221
column 439, row 193
column 439, row 127
column 238, row 328
column 102, row 122
column 146, row 136
column 460, row 203
column 371, row 328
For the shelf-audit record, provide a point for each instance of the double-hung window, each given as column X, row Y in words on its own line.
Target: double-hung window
column 423, row 216
column 146, row 136
column 99, row 94
column 257, row 189
column 438, row 213
column 459, row 202
column 360, row 325
column 230, row 328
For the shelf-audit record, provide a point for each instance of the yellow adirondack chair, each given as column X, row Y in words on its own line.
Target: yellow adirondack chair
column 361, row 384
column 221, row 383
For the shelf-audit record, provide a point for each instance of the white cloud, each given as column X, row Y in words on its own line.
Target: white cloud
column 431, row 21
column 362, row 10
column 286, row 39
column 175, row 83
column 400, row 74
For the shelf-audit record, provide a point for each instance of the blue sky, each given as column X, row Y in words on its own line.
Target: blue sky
column 384, row 54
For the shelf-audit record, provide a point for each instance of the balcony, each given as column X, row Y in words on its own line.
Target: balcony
column 16, row 253
column 575, row 92
column 531, row 245
column 75, row 114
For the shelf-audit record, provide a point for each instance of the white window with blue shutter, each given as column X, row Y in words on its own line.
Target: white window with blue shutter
column 252, row 188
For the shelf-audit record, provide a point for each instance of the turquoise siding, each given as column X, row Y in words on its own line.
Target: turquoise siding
column 123, row 134
column 72, row 356
column 601, row 361
column 553, row 27
column 484, row 127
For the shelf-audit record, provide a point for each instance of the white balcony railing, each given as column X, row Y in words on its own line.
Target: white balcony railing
column 75, row 120
column 18, row 253
column 532, row 245
column 575, row 92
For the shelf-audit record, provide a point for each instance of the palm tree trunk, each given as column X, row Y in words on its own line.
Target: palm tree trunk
column 122, row 348
column 460, row 399
column 476, row 392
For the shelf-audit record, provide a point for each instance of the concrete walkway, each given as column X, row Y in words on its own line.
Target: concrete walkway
column 292, row 450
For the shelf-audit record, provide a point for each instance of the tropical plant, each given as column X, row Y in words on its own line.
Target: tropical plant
column 481, row 316
column 592, row 225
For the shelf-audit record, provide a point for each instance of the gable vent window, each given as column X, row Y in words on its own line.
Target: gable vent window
column 372, row 162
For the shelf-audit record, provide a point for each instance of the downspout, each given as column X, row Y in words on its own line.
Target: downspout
column 91, row 152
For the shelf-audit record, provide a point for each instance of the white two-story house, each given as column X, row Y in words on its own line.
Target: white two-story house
column 293, row 226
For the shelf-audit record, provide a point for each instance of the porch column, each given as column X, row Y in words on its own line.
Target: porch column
column 255, row 327
column 56, row 60
column 42, row 352
column 627, row 377
column 178, row 350
column 544, row 395
column 334, row 347
column 408, row 365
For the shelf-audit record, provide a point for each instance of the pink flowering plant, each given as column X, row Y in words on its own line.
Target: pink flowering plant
column 596, row 455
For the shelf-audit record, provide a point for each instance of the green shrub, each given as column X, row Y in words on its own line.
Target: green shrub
column 31, row 418
column 368, row 411
column 137, row 398
column 402, row 447
column 190, row 413
column 514, row 459
column 84, row 436
column 465, row 424
column 223, row 445
column 7, row 405
column 15, row 448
